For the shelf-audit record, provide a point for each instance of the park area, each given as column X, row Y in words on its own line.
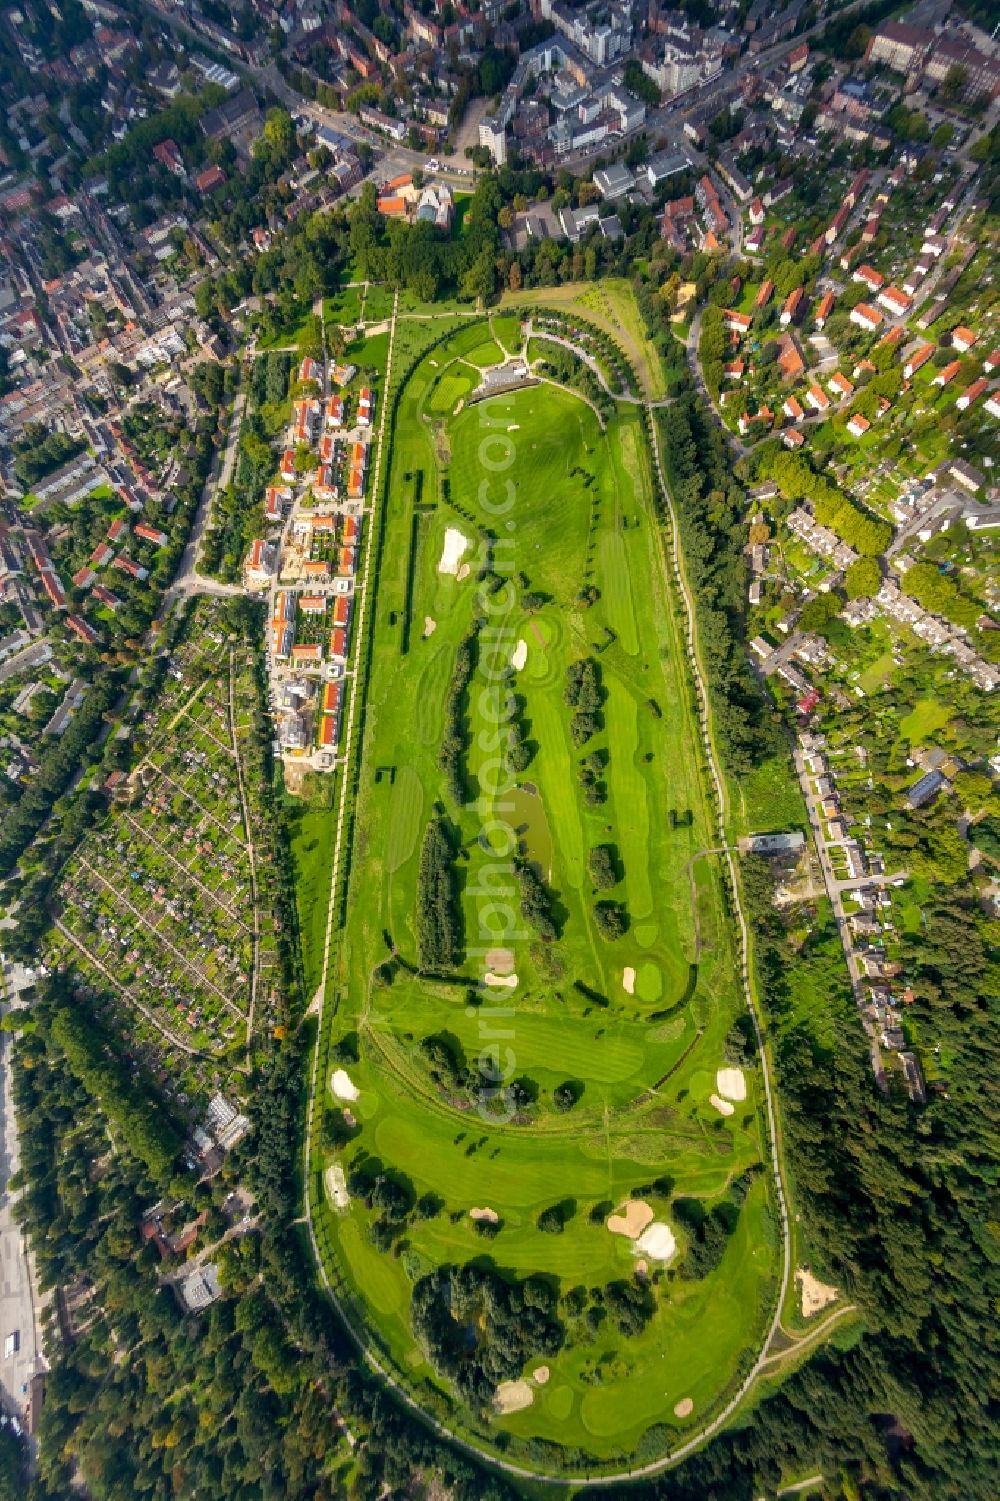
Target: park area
column 537, row 1180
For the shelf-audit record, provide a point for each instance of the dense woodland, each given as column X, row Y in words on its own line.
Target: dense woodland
column 710, row 507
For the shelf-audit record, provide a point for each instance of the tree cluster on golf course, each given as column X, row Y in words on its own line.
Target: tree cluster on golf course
column 480, row 1327
column 455, row 738
column 584, row 695
column 536, row 902
column 438, row 916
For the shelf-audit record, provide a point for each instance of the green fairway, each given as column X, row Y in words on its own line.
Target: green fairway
column 611, row 1044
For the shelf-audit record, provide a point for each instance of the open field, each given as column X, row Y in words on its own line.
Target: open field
column 613, row 1043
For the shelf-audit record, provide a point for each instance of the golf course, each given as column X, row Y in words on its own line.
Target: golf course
column 538, row 1176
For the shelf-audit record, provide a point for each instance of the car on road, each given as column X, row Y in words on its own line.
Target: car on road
column 433, row 165
column 12, row 1344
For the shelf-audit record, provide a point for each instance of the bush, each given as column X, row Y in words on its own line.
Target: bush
column 565, row 1096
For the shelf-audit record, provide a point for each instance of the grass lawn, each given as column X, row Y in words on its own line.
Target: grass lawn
column 369, row 354
column 643, row 1064
column 927, row 716
column 296, row 334
column 507, row 331
column 880, row 672
column 344, row 307
column 378, row 303
column 770, row 798
column 311, row 832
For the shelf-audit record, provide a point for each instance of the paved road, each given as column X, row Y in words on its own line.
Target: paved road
column 834, row 890
column 694, row 363
column 17, row 1295
column 187, row 579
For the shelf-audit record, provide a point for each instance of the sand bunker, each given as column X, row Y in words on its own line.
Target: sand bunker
column 336, row 1187
column 684, row 1408
column 430, row 625
column 486, row 1213
column 657, row 1242
column 731, row 1084
column 633, row 1222
column 342, row 1085
column 540, row 1375
column 815, row 1294
column 463, row 572
column 500, row 982
column 628, row 980
column 455, row 545
column 512, row 1396
column 500, row 961
column 520, row 656
column 722, row 1106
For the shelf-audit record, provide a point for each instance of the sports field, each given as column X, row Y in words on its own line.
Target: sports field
column 611, row 1040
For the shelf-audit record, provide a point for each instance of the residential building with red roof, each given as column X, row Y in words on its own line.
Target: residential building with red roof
column 917, row 360
column 972, row 393
column 872, row 279
column 824, row 309
column 304, row 653
column 211, row 178
column 82, row 629
column 867, row 317
column 764, row 294
column 894, row 301
column 150, row 534
column 947, row 373
column 790, row 361
column 792, row 305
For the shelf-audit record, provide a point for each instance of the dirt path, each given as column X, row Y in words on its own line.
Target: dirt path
column 164, row 1031
column 162, row 849
column 153, row 929
column 251, row 854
